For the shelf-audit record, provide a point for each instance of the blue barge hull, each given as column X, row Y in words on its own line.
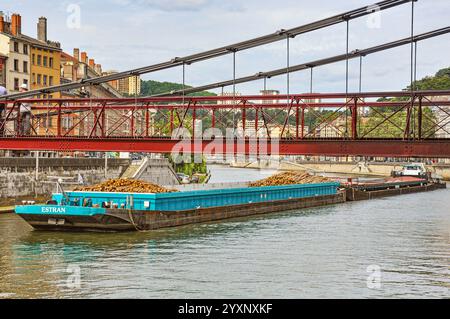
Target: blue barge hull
column 83, row 211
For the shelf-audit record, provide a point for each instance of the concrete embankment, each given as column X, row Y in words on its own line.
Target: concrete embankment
column 7, row 209
column 354, row 168
column 21, row 179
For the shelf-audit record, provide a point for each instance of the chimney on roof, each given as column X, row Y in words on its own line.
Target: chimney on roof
column 98, row 68
column 19, row 24
column 2, row 22
column 76, row 54
column 42, row 29
column 91, row 63
column 15, row 24
column 84, row 57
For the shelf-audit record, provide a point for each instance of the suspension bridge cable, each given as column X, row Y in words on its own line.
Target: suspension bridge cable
column 287, row 80
column 360, row 73
column 234, row 93
column 184, row 82
column 415, row 86
column 412, row 73
column 412, row 44
column 310, row 91
column 415, row 66
column 346, row 78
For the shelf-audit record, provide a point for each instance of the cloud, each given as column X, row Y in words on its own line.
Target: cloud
column 168, row 5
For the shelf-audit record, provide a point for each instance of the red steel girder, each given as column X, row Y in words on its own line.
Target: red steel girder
column 199, row 99
column 437, row 148
column 83, row 108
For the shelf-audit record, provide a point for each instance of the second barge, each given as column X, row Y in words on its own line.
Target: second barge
column 389, row 187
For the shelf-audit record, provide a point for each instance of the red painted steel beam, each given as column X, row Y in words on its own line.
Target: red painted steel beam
column 305, row 96
column 354, row 111
column 438, row 148
column 80, row 108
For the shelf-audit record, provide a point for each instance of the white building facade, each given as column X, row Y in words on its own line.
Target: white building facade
column 17, row 67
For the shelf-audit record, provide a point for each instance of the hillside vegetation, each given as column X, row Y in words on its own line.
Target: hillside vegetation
column 151, row 87
column 440, row 81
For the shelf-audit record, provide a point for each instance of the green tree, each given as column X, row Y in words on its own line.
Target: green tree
column 394, row 127
column 390, row 128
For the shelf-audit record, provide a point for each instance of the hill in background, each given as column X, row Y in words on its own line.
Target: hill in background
column 440, row 81
column 151, row 87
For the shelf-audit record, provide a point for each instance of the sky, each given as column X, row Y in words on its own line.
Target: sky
column 125, row 34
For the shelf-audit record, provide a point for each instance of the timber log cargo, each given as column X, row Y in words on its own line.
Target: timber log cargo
column 125, row 185
column 290, row 178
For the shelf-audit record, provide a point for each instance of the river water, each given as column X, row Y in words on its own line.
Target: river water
column 396, row 247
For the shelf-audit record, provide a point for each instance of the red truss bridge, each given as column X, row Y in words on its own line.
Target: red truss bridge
column 387, row 124
column 384, row 124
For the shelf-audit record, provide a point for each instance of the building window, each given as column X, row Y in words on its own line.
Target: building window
column 16, row 46
column 16, row 84
column 25, row 81
column 45, row 61
column 33, row 59
column 67, row 122
column 16, row 65
column 25, row 49
column 44, row 79
column 33, row 78
column 50, row 62
column 46, row 122
column 39, row 57
column 50, row 80
column 25, row 67
column 39, row 79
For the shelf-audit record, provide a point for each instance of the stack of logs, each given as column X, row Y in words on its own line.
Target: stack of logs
column 125, row 186
column 289, row 178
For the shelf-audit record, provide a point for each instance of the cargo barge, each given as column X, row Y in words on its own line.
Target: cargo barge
column 106, row 211
column 389, row 187
column 122, row 211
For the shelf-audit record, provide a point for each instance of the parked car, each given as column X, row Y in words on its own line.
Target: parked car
column 136, row 156
column 195, row 179
column 183, row 178
column 413, row 169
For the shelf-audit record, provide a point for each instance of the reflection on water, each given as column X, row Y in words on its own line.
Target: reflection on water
column 318, row 252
